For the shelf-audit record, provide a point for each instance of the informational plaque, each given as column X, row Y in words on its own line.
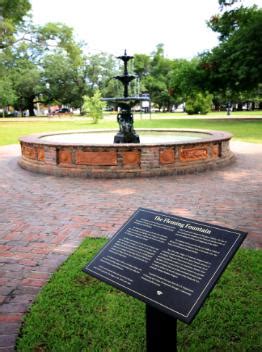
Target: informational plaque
column 167, row 261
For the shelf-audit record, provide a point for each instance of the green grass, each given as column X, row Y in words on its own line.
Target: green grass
column 257, row 113
column 75, row 312
column 249, row 131
column 11, row 131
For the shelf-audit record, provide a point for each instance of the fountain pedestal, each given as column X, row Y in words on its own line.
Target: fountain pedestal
column 126, row 132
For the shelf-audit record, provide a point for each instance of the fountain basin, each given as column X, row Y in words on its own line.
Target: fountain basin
column 89, row 153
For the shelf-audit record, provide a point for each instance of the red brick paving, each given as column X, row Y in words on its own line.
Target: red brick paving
column 44, row 218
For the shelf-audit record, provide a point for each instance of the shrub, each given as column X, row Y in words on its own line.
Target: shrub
column 93, row 106
column 199, row 104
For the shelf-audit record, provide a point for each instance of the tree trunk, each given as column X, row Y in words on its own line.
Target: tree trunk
column 31, row 107
column 240, row 107
column 217, row 106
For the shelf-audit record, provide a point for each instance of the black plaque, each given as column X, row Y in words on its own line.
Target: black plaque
column 169, row 262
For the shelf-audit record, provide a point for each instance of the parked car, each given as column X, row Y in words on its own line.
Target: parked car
column 62, row 111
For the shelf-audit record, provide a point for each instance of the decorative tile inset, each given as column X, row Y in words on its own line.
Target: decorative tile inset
column 41, row 154
column 131, row 158
column 167, row 156
column 96, row 158
column 65, row 157
column 193, row 154
column 29, row 152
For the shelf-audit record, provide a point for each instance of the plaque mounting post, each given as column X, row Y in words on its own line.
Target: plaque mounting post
column 161, row 331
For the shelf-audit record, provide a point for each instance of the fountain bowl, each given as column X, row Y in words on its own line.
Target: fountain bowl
column 91, row 153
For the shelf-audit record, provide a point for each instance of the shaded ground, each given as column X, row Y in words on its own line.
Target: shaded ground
column 44, row 218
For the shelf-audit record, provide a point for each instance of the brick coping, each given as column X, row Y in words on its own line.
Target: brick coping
column 215, row 135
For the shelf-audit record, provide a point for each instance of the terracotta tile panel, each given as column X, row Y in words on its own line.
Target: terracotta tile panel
column 131, row 158
column 41, row 154
column 167, row 156
column 29, row 152
column 65, row 157
column 96, row 158
column 193, row 154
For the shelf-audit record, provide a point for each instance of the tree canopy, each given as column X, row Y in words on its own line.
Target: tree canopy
column 12, row 14
column 46, row 64
column 236, row 63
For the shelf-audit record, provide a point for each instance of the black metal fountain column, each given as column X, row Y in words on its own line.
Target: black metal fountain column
column 125, row 119
column 126, row 133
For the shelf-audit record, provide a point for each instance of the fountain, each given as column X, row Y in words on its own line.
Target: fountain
column 156, row 152
column 125, row 119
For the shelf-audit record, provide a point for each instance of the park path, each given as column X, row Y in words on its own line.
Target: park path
column 44, row 218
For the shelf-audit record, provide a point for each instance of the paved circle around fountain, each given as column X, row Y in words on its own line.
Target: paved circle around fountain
column 44, row 218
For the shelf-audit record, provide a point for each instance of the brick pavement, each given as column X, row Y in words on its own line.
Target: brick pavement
column 44, row 218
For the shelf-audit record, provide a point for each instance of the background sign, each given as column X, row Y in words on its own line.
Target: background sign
column 169, row 262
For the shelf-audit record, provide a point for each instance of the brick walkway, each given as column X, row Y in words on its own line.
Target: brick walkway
column 43, row 218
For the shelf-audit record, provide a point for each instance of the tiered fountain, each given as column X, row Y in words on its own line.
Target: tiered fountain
column 156, row 152
column 125, row 119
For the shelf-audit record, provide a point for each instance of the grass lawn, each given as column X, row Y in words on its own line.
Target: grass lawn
column 257, row 113
column 249, row 131
column 75, row 312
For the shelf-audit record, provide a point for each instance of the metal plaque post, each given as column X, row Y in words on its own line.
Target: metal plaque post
column 161, row 331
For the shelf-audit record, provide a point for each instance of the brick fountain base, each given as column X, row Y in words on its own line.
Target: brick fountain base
column 125, row 160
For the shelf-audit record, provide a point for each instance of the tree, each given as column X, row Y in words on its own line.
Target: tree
column 100, row 70
column 93, row 106
column 64, row 83
column 142, row 65
column 27, row 87
column 236, row 63
column 7, row 94
column 47, row 55
column 12, row 15
column 186, row 78
column 155, row 77
column 224, row 3
column 199, row 103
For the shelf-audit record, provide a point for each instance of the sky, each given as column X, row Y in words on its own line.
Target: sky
column 112, row 26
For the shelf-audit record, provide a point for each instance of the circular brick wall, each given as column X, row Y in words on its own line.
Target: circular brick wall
column 125, row 160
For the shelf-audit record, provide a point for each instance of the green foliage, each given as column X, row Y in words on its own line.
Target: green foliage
column 199, row 103
column 7, row 94
column 12, row 14
column 185, row 77
column 141, row 65
column 169, row 82
column 66, row 82
column 227, row 3
column 45, row 55
column 93, row 106
column 100, row 70
column 26, row 85
column 75, row 312
column 236, row 63
column 61, row 36
column 15, row 9
column 155, row 78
